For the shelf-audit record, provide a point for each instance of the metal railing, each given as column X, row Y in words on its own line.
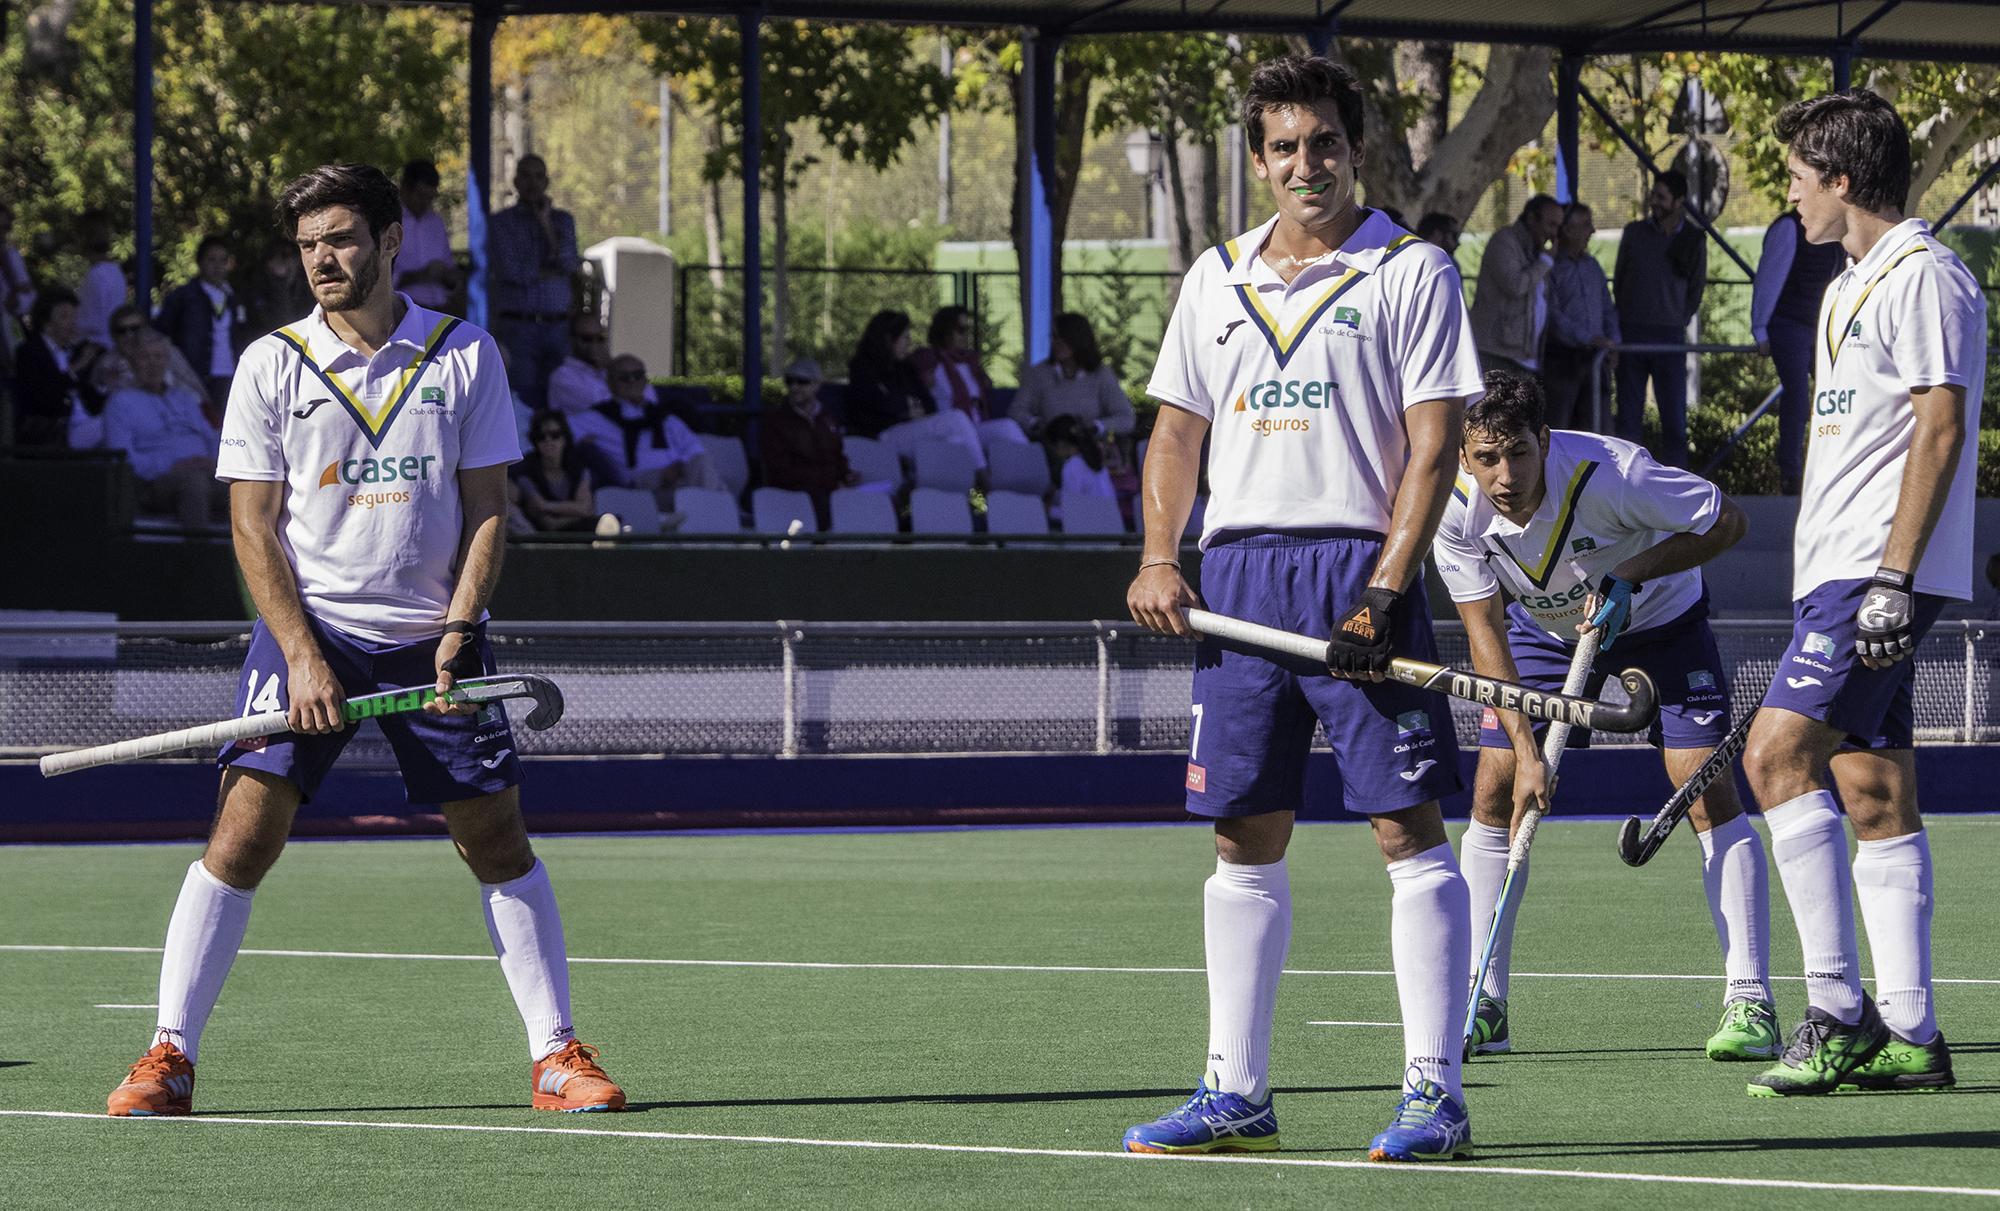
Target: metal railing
column 1597, row 417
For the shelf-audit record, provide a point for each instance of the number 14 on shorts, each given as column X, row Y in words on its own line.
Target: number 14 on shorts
column 261, row 701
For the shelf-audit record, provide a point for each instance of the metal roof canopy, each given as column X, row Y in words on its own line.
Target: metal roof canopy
column 1841, row 30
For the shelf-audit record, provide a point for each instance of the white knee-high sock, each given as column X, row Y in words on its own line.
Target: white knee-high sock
column 1892, row 879
column 202, row 940
column 1739, row 899
column 1430, row 943
column 1247, row 917
column 1810, row 843
column 1484, row 860
column 527, row 934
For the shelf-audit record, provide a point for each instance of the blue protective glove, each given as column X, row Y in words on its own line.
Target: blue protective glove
column 1614, row 609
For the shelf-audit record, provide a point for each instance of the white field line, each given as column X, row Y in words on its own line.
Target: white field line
column 25, row 948
column 1465, row 1170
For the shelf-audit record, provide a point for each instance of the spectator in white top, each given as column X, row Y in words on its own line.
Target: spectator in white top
column 424, row 268
column 580, row 381
column 653, row 448
column 1073, row 382
column 1510, row 305
column 1079, row 459
column 205, row 320
column 104, row 287
column 167, row 440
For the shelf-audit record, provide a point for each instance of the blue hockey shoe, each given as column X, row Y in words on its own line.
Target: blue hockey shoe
column 1210, row 1122
column 1430, row 1125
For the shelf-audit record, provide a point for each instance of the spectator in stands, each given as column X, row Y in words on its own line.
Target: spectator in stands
column 104, row 287
column 650, row 447
column 1073, row 382
column 274, row 291
column 555, row 482
column 800, row 445
column 114, row 370
column 205, row 320
column 950, row 365
column 1582, row 321
column 1792, row 277
column 1658, row 280
column 169, row 443
column 1440, row 229
column 1079, row 458
column 17, row 293
column 888, row 400
column 50, row 366
column 580, row 381
column 534, row 261
column 1510, row 306
column 424, row 268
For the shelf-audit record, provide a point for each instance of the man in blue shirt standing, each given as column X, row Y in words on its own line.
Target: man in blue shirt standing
column 534, row 258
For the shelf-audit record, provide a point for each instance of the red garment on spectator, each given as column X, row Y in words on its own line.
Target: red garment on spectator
column 929, row 358
column 803, row 454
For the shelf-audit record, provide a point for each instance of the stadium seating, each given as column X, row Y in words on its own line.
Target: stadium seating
column 1084, row 513
column 731, row 463
column 863, row 511
column 707, row 511
column 773, row 510
column 938, row 511
column 1014, row 467
column 945, row 466
column 874, row 462
column 1016, row 512
column 634, row 508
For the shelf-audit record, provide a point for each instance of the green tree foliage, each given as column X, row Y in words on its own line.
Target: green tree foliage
column 247, row 97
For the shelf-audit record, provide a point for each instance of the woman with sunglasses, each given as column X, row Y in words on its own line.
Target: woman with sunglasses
column 555, row 484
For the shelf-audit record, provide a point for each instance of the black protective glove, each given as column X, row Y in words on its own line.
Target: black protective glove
column 1360, row 641
column 1883, row 632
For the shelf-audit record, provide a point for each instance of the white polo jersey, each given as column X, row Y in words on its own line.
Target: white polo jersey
column 1607, row 500
column 1909, row 315
column 1304, row 385
column 369, row 450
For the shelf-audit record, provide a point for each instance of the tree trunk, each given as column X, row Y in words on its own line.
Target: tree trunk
column 1424, row 69
column 712, row 228
column 781, row 246
column 1183, row 250
column 1211, row 193
column 1945, row 138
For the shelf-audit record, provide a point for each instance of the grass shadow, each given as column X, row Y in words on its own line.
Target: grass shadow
column 1900, row 1140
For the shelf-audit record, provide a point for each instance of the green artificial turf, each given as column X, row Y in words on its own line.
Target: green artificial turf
column 1607, row 1075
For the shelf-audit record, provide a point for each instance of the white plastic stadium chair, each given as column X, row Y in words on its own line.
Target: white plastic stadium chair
column 773, row 510
column 943, row 465
column 726, row 455
column 1014, row 467
column 635, row 508
column 707, row 511
column 1016, row 512
column 874, row 462
column 937, row 511
column 1083, row 513
column 861, row 511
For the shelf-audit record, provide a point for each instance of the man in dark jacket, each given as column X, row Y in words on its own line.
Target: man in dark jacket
column 1661, row 272
column 205, row 321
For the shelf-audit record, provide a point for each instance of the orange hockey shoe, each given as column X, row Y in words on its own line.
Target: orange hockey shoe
column 569, row 1080
column 162, row 1082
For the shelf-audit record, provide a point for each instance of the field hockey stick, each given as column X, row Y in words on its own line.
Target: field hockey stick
column 473, row 691
column 1632, row 716
column 1553, row 745
column 1636, row 848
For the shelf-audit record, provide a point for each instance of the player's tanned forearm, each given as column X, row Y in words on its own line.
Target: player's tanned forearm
column 253, row 525
column 1170, row 477
column 482, row 543
column 1934, row 452
column 1436, row 429
column 1683, row 551
column 1486, row 634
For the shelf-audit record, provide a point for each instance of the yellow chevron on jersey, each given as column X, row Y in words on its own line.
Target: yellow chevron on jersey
column 1559, row 534
column 1285, row 342
column 1835, row 334
column 374, row 423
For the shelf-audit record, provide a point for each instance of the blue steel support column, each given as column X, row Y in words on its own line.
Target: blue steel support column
column 1320, row 36
column 1843, row 67
column 1038, row 68
column 1569, row 73
column 479, row 157
column 748, row 25
column 142, row 149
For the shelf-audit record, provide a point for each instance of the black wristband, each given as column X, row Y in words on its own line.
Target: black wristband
column 1893, row 578
column 459, row 626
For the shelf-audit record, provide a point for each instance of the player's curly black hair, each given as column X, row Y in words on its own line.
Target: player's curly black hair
column 363, row 187
column 1512, row 404
column 1857, row 135
column 1300, row 80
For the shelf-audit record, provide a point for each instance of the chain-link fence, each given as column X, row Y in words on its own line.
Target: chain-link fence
column 787, row 688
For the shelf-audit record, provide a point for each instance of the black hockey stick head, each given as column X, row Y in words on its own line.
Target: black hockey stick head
column 1635, row 715
column 1630, row 850
column 548, row 699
